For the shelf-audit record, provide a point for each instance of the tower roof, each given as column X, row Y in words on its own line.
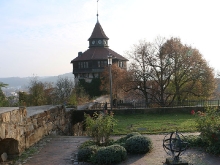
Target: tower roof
column 98, row 32
column 98, row 54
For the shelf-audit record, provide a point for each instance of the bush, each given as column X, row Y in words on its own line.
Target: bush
column 110, row 154
column 208, row 124
column 123, row 139
column 138, row 144
column 195, row 141
column 85, row 154
column 100, row 127
column 131, row 134
column 214, row 148
column 86, row 144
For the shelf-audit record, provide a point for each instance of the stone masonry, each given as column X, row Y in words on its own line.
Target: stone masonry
column 20, row 128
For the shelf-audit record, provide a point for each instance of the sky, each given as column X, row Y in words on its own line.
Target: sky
column 41, row 37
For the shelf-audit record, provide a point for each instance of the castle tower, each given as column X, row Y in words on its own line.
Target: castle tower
column 91, row 63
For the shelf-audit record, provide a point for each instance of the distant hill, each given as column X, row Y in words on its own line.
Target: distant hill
column 55, row 78
column 17, row 82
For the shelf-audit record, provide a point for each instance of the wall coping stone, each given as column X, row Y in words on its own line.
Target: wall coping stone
column 6, row 109
column 31, row 111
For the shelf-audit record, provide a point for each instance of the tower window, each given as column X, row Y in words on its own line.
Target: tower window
column 120, row 64
column 83, row 65
column 105, row 63
column 102, row 63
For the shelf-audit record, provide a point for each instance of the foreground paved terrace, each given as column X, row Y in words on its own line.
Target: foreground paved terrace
column 59, row 150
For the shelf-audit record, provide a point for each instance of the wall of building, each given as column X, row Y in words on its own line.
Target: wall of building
column 20, row 131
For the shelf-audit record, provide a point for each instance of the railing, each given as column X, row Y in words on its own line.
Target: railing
column 197, row 103
column 134, row 105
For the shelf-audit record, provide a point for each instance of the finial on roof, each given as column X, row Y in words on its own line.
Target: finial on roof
column 97, row 12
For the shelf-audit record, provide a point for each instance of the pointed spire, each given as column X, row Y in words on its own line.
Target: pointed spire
column 97, row 12
column 98, row 32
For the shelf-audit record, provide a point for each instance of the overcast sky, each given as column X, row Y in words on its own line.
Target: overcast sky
column 41, row 37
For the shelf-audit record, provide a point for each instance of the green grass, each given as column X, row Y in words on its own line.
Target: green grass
column 154, row 123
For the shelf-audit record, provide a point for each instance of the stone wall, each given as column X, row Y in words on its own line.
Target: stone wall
column 12, row 129
column 22, row 131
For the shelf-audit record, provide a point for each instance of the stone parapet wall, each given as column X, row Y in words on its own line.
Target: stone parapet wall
column 55, row 120
column 16, row 125
column 12, row 126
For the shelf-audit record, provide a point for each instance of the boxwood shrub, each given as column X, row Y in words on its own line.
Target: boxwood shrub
column 87, row 143
column 109, row 155
column 138, row 144
column 132, row 134
column 133, row 143
column 85, row 154
column 123, row 139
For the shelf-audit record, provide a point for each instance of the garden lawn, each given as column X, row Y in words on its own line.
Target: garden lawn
column 154, row 123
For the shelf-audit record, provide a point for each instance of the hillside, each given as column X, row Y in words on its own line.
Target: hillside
column 17, row 82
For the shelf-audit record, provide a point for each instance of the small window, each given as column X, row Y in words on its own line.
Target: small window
column 105, row 63
column 122, row 64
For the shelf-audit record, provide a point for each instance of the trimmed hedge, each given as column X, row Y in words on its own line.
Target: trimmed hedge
column 110, row 154
column 133, row 143
column 123, row 139
column 138, row 144
column 86, row 144
column 87, row 153
column 131, row 134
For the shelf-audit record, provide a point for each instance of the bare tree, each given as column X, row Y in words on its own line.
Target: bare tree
column 49, row 92
column 2, row 95
column 78, row 96
column 140, row 68
column 167, row 70
column 36, row 92
column 63, row 89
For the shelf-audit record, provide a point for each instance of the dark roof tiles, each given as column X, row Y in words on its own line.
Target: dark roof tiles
column 98, row 32
column 98, row 53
